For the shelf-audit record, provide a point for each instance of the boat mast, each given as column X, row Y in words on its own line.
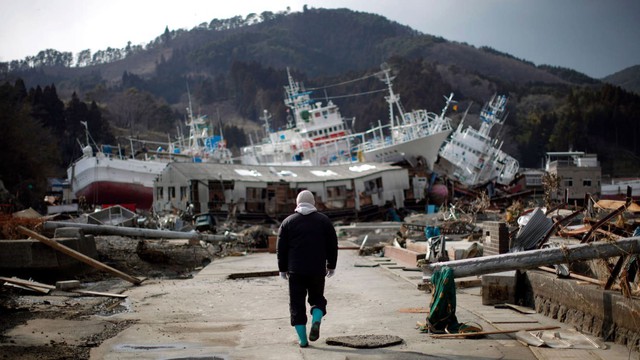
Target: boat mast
column 491, row 113
column 392, row 98
column 295, row 100
column 448, row 102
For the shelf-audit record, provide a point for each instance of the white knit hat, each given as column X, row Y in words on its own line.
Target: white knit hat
column 305, row 196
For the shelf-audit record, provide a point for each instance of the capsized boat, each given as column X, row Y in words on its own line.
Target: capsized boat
column 109, row 176
column 472, row 156
column 317, row 134
column 409, row 136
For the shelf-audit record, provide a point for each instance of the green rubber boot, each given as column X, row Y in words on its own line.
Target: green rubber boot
column 301, row 330
column 316, row 319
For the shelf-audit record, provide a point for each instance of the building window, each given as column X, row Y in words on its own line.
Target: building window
column 255, row 199
column 586, row 182
column 373, row 186
column 183, row 193
column 159, row 193
column 568, row 182
column 336, row 192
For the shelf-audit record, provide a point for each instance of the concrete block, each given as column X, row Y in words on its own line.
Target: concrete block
column 402, row 255
column 34, row 255
column 67, row 284
column 87, row 246
column 65, row 260
column 499, row 288
column 496, row 239
column 42, row 256
column 273, row 243
column 15, row 253
column 417, row 246
column 68, row 232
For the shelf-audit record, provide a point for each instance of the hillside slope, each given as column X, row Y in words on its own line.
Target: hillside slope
column 628, row 79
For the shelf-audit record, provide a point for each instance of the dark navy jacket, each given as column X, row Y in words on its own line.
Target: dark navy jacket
column 307, row 244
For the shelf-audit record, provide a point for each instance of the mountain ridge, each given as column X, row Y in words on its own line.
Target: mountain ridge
column 236, row 68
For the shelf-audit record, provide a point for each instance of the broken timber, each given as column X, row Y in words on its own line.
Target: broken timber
column 534, row 258
column 78, row 256
column 253, row 274
column 481, row 333
column 36, row 286
column 139, row 232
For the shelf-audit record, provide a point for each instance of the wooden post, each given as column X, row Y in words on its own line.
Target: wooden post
column 535, row 258
column 77, row 255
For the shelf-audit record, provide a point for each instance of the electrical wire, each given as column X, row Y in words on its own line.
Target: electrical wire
column 344, row 82
column 350, row 95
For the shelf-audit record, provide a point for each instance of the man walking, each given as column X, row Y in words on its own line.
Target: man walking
column 307, row 252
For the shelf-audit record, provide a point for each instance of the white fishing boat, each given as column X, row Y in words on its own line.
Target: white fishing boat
column 317, row 134
column 108, row 176
column 472, row 156
column 409, row 136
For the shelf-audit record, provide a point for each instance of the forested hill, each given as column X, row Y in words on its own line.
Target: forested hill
column 628, row 79
column 236, row 68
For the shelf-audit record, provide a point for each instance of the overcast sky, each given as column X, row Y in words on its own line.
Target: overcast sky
column 596, row 37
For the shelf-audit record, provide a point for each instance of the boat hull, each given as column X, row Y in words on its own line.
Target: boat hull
column 102, row 180
column 108, row 192
column 426, row 147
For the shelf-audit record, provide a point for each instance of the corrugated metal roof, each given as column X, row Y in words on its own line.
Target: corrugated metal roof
column 275, row 173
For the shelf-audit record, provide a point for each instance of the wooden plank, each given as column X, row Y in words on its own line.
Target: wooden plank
column 27, row 283
column 253, row 274
column 615, row 272
column 574, row 276
column 520, row 309
column 97, row 293
column 30, row 288
column 414, row 310
column 36, row 286
column 77, row 255
column 516, row 322
column 472, row 334
column 366, row 265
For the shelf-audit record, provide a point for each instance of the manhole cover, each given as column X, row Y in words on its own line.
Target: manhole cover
column 365, row 341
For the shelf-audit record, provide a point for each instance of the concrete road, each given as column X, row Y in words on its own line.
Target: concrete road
column 213, row 317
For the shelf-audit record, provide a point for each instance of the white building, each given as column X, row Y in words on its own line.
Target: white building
column 579, row 173
column 254, row 190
